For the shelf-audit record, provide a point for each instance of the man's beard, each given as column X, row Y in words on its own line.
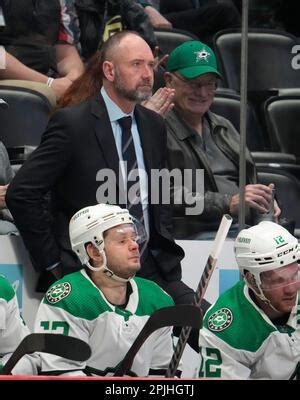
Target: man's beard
column 136, row 95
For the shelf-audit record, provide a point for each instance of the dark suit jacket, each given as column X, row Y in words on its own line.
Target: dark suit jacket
column 77, row 144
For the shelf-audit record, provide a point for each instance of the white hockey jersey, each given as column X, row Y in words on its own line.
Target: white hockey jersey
column 13, row 330
column 75, row 306
column 12, row 327
column 239, row 341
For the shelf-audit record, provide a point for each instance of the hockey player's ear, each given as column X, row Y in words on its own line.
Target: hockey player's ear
column 93, row 253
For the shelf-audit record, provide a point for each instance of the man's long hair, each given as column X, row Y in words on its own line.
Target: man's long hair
column 86, row 85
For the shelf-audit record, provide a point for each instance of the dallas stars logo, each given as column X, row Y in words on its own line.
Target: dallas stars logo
column 220, row 320
column 202, row 55
column 58, row 292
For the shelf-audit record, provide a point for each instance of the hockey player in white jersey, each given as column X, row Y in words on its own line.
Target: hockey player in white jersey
column 13, row 330
column 104, row 304
column 12, row 327
column 253, row 330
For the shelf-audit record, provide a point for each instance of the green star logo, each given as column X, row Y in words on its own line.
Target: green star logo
column 220, row 320
column 58, row 292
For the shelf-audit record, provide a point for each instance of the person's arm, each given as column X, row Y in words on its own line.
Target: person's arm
column 69, row 64
column 68, row 61
column 3, row 190
column 14, row 69
column 157, row 20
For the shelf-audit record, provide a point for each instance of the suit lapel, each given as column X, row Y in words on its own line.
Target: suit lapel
column 104, row 134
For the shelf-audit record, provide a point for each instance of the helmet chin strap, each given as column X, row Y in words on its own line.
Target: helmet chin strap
column 259, row 293
column 106, row 270
column 265, row 300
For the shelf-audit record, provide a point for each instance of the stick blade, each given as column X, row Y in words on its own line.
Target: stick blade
column 56, row 344
column 64, row 346
column 179, row 315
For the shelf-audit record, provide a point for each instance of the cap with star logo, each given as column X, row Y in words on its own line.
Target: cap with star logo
column 192, row 59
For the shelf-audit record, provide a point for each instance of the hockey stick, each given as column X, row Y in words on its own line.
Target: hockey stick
column 296, row 373
column 201, row 289
column 58, row 344
column 180, row 315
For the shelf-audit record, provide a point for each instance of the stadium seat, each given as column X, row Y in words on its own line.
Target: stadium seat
column 169, row 39
column 270, row 60
column 227, row 104
column 25, row 119
column 287, row 189
column 282, row 115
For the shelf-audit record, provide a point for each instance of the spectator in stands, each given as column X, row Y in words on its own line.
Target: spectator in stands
column 40, row 41
column 253, row 329
column 203, row 21
column 6, row 174
column 99, row 19
column 116, row 304
column 201, row 140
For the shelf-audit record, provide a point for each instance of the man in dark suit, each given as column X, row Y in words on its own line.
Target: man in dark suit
column 79, row 144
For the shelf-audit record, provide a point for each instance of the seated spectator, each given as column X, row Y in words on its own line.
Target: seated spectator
column 115, row 306
column 201, row 140
column 203, row 21
column 100, row 19
column 39, row 39
column 6, row 174
column 253, row 329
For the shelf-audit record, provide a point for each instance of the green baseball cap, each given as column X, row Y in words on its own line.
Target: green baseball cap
column 192, row 59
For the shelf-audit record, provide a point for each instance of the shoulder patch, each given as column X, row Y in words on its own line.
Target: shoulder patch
column 58, row 292
column 220, row 320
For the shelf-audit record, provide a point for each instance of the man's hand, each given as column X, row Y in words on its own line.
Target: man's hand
column 257, row 196
column 277, row 211
column 57, row 271
column 161, row 102
column 3, row 190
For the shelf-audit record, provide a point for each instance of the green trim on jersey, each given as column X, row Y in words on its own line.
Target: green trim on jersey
column 6, row 290
column 74, row 303
column 249, row 330
column 151, row 297
column 76, row 295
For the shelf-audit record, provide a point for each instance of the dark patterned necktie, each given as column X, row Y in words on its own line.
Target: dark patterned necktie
column 134, row 205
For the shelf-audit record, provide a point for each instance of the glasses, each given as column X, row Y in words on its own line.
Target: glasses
column 193, row 84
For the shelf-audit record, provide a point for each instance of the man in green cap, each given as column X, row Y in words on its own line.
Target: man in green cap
column 201, row 140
